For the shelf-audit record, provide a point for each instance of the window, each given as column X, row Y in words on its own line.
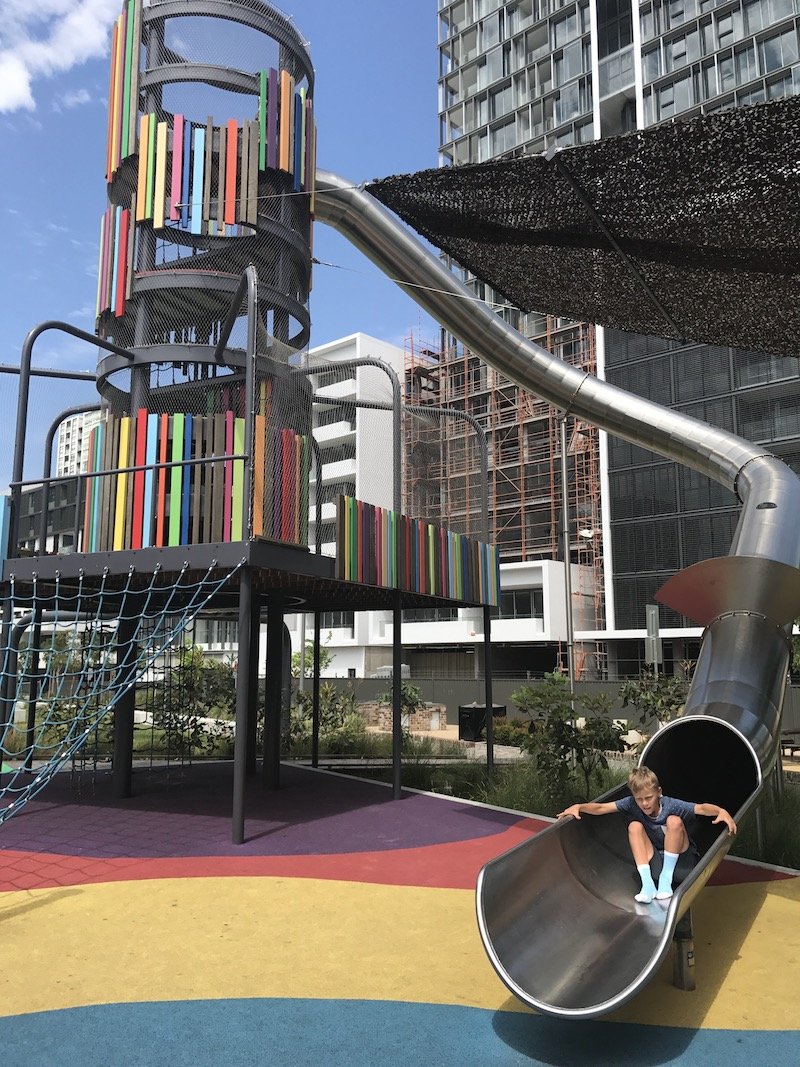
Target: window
column 521, row 604
column 430, row 615
column 500, row 102
column 492, row 30
column 726, row 77
column 652, row 65
column 565, row 30
column 569, row 64
column 778, row 51
column 745, row 63
column 337, row 620
column 675, row 98
column 503, row 138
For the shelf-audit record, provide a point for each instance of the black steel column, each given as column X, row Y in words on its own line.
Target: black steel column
column 122, row 773
column 272, row 693
column 242, row 704
column 397, row 694
column 315, row 693
column 487, row 673
column 34, row 675
column 252, row 701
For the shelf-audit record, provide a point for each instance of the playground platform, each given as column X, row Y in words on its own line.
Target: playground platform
column 342, row 931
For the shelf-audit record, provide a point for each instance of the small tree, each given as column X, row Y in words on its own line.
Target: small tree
column 326, row 657
column 552, row 733
column 410, row 697
column 656, row 696
column 559, row 746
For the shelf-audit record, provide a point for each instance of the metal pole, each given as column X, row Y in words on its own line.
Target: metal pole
column 272, row 693
column 34, row 673
column 249, row 395
column 315, row 692
column 22, row 409
column 487, row 674
column 255, row 659
column 242, row 705
column 122, row 772
column 301, row 682
column 397, row 694
column 567, row 553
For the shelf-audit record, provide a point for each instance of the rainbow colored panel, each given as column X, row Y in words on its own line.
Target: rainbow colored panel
column 377, row 546
column 174, row 505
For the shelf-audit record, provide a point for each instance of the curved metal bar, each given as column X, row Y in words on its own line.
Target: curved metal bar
column 391, row 373
column 557, row 914
column 22, row 408
column 48, row 462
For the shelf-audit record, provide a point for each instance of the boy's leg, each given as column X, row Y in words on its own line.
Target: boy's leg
column 642, row 849
column 676, row 841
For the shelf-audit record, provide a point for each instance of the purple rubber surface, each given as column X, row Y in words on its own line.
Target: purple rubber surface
column 189, row 814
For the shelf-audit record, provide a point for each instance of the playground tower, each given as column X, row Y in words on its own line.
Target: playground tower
column 210, row 165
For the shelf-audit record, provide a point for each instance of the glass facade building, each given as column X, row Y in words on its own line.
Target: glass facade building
column 523, row 75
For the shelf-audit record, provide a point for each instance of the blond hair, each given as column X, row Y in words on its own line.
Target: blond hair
column 642, row 778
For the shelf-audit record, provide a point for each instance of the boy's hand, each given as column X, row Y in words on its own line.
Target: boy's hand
column 574, row 810
column 723, row 816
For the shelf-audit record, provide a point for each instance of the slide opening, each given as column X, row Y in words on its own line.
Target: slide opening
column 705, row 761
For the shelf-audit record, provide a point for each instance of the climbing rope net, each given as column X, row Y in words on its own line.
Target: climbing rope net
column 70, row 652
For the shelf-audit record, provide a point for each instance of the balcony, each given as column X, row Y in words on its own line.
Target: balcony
column 341, row 471
column 335, row 433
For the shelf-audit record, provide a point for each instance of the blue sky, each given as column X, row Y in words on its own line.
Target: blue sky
column 376, row 108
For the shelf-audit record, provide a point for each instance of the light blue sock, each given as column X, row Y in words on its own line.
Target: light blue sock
column 648, row 885
column 665, row 878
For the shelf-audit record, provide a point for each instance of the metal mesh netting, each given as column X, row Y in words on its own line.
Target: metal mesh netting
column 64, row 669
column 705, row 209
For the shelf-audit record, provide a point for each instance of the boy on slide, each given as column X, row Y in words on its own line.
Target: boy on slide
column 655, row 825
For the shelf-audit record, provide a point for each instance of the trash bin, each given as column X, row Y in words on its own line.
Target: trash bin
column 472, row 720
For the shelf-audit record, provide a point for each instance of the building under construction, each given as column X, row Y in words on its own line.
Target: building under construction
column 524, row 465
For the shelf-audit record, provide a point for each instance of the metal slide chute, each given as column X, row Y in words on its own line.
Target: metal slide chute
column 557, row 914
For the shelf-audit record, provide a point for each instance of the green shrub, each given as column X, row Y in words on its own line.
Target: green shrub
column 514, row 732
column 561, row 749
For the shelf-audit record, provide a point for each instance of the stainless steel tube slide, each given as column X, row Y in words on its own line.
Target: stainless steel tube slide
column 557, row 914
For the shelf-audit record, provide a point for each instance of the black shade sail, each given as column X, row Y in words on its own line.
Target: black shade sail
column 689, row 230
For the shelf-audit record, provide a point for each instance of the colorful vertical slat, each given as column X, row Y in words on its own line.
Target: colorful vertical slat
column 198, row 166
column 186, row 168
column 272, row 120
column 176, row 480
column 140, row 455
column 122, row 484
column 177, row 169
column 160, row 180
column 376, row 546
column 150, row 481
column 231, row 153
column 237, row 494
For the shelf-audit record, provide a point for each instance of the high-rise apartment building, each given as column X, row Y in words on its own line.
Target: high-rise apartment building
column 72, row 443
column 522, row 76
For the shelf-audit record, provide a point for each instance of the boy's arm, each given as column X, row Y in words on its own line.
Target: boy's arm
column 719, row 815
column 593, row 807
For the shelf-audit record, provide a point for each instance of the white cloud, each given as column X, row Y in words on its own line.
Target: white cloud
column 74, row 98
column 39, row 40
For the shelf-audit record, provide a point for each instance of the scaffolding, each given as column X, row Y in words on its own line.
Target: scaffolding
column 522, row 432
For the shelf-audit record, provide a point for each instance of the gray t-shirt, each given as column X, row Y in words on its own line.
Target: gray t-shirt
column 655, row 825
